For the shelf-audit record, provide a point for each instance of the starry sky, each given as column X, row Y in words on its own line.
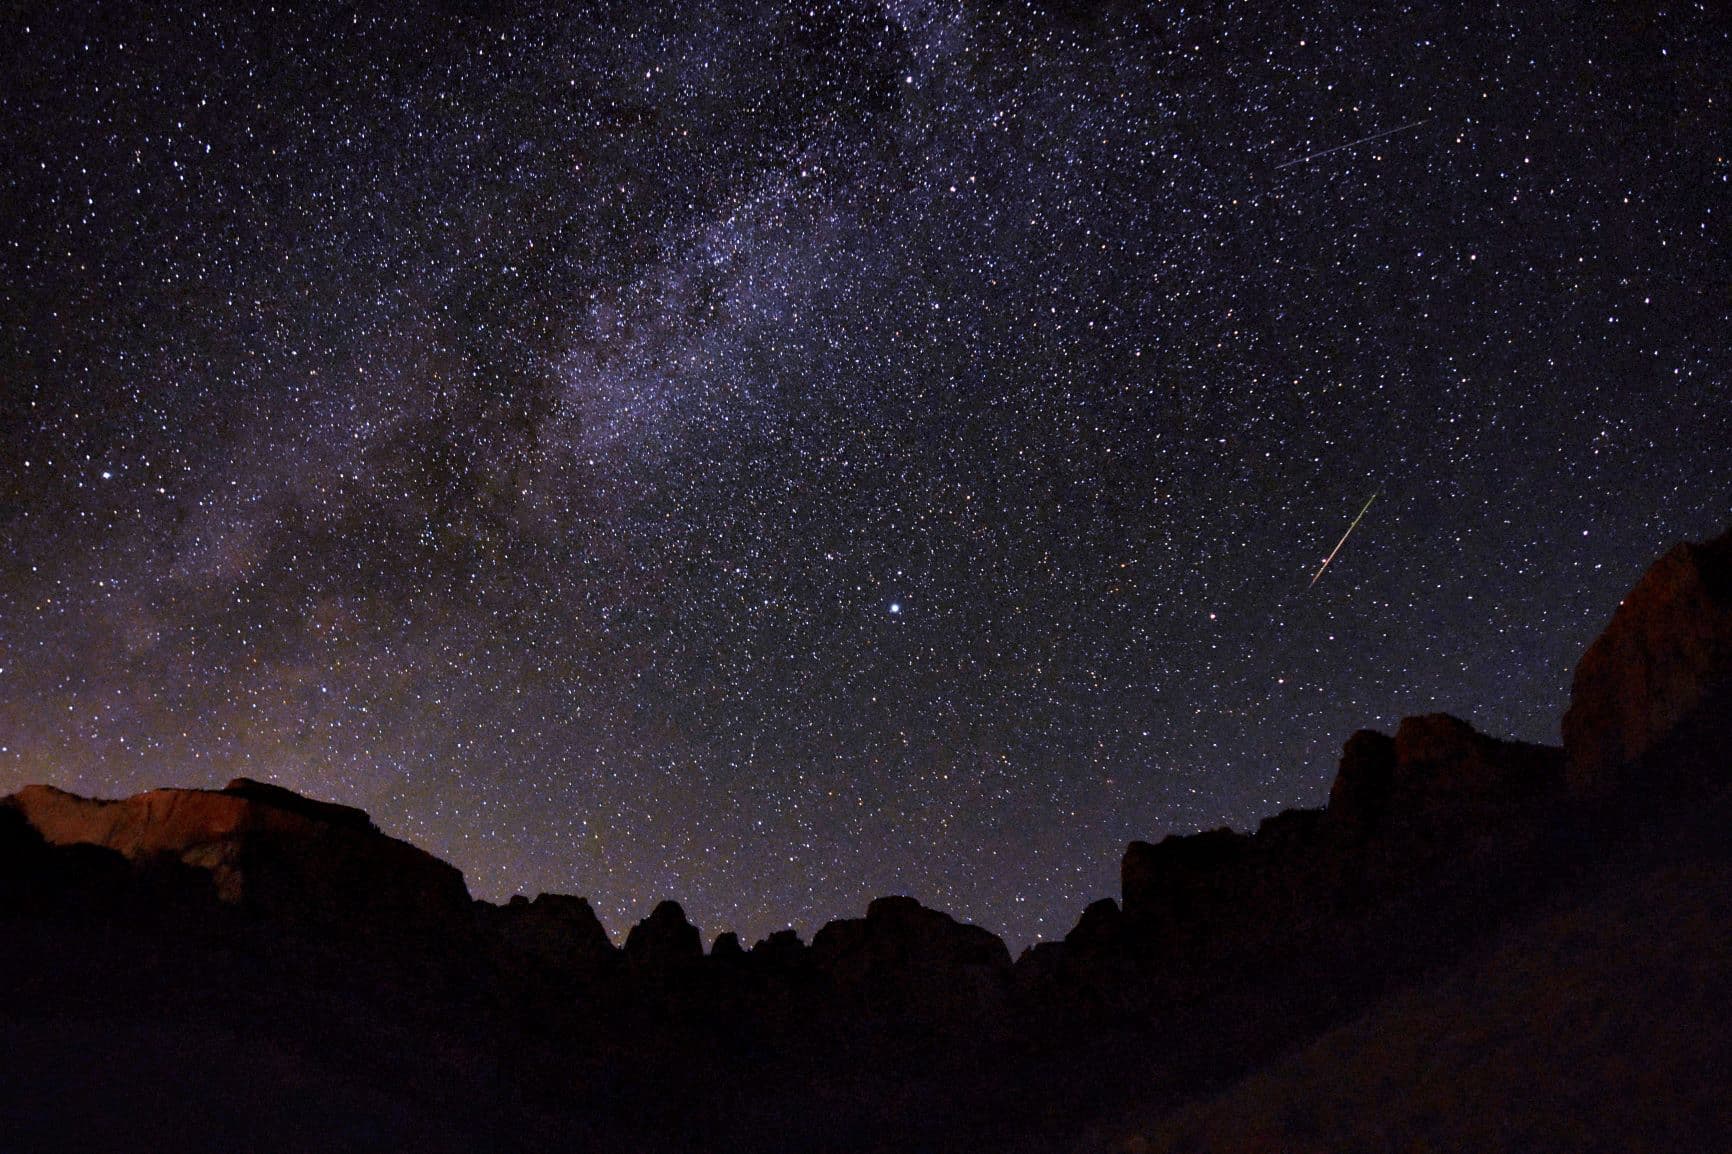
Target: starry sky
column 772, row 456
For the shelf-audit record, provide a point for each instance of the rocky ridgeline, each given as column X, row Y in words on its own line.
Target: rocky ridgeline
column 273, row 856
column 265, row 848
column 1409, row 818
column 1399, row 808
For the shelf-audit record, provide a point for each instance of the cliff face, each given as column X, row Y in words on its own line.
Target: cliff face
column 1664, row 664
column 1400, row 808
column 266, row 848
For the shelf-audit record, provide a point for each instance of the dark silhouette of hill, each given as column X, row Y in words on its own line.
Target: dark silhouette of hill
column 1598, row 1025
column 1475, row 944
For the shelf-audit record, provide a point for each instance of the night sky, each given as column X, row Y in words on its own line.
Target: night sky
column 772, row 457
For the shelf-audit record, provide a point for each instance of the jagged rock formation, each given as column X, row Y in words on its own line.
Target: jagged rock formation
column 1663, row 665
column 1398, row 808
column 782, row 950
column 547, row 948
column 554, row 929
column 905, row 959
column 664, row 943
column 1363, row 782
column 265, row 847
column 899, row 1029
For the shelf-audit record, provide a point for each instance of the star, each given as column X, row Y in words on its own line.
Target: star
column 585, row 397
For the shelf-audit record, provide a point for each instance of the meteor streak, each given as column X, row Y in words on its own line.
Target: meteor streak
column 1352, row 143
column 1343, row 540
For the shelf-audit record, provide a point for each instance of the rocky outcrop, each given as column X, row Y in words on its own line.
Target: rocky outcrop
column 1663, row 664
column 1448, row 779
column 1183, row 879
column 782, row 952
column 1191, row 901
column 556, row 934
column 1101, row 924
column 265, row 848
column 1360, row 792
column 1399, row 807
column 903, row 959
column 664, row 943
column 276, row 797
column 35, row 875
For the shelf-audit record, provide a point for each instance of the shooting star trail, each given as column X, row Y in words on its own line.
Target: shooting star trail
column 1354, row 143
column 1343, row 540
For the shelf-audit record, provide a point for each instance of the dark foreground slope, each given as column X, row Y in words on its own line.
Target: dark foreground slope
column 1600, row 1025
column 1476, row 943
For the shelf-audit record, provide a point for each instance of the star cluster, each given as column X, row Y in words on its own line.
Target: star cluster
column 772, row 456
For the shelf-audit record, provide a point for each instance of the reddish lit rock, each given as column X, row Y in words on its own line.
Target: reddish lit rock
column 265, row 847
column 1449, row 777
column 1663, row 663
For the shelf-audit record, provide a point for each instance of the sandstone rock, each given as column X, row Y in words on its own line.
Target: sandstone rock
column 1437, row 775
column 266, row 848
column 1100, row 927
column 782, row 954
column 1664, row 660
column 555, row 933
column 1448, row 777
column 1181, row 877
column 276, row 796
column 903, row 958
column 1090, row 974
column 664, row 941
column 90, row 879
column 1397, row 807
column 1360, row 792
column 727, row 949
column 1287, row 843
